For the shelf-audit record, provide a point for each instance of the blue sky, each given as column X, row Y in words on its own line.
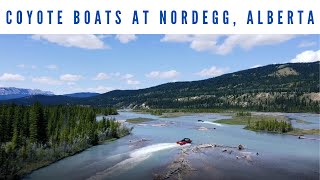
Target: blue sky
column 100, row 63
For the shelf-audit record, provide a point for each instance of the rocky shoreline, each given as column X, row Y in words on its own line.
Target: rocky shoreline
column 182, row 165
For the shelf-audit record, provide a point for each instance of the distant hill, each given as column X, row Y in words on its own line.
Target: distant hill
column 44, row 100
column 292, row 87
column 13, row 93
column 82, row 95
column 279, row 87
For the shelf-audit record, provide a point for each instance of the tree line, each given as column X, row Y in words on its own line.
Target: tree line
column 275, row 102
column 279, row 126
column 33, row 136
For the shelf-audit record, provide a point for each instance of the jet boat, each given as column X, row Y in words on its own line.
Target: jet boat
column 184, row 141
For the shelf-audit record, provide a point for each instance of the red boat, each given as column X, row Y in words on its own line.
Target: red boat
column 184, row 141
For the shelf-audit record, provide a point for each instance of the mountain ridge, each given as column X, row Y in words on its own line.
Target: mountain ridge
column 7, row 93
column 277, row 87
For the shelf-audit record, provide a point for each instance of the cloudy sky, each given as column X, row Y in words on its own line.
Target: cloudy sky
column 100, row 63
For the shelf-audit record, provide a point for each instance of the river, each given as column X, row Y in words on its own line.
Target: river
column 151, row 148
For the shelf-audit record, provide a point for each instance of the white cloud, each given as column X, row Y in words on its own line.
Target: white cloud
column 101, row 76
column 126, row 38
column 224, row 44
column 182, row 37
column 212, row 72
column 133, row 82
column 52, row 67
column 255, row 66
column 11, row 77
column 127, row 76
column 24, row 66
column 100, row 89
column 86, row 41
column 163, row 75
column 307, row 56
column 305, row 44
column 46, row 80
column 70, row 77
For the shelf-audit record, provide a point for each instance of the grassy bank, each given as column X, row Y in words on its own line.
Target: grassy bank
column 294, row 132
column 265, row 123
column 138, row 120
column 298, row 132
column 174, row 114
column 243, row 120
column 161, row 112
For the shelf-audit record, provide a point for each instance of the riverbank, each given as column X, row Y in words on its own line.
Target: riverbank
column 138, row 120
column 252, row 119
column 22, row 162
column 174, row 114
column 243, row 120
column 299, row 132
column 42, row 164
column 165, row 112
column 36, row 136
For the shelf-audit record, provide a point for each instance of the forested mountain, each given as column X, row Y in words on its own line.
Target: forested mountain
column 82, row 95
column 292, row 87
column 13, row 93
column 45, row 100
column 280, row 87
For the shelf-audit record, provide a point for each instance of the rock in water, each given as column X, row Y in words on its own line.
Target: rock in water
column 240, row 147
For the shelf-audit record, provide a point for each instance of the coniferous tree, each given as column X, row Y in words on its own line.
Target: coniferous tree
column 25, row 129
column 38, row 127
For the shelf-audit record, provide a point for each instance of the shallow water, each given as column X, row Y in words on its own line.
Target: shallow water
column 280, row 156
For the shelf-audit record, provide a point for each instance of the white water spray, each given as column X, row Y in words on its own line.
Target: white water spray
column 208, row 122
column 135, row 158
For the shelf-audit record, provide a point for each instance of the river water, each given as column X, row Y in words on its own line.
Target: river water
column 151, row 147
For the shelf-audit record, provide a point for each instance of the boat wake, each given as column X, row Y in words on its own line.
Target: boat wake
column 208, row 122
column 109, row 159
column 134, row 159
